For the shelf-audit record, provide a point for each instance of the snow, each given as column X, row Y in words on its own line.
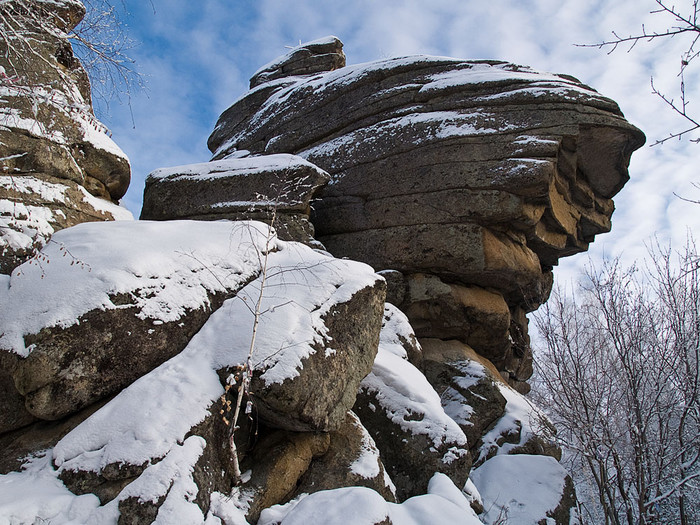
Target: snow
column 234, row 166
column 396, row 328
column 36, row 495
column 444, row 503
column 226, row 509
column 172, row 478
column 453, row 400
column 367, row 464
column 52, row 192
column 407, row 397
column 477, row 73
column 142, row 422
column 522, row 487
column 153, row 262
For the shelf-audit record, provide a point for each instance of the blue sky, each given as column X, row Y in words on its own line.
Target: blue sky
column 197, row 57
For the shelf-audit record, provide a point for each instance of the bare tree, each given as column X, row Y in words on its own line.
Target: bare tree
column 93, row 27
column 682, row 22
column 619, row 376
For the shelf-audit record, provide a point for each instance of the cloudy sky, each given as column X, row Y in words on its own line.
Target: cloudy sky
column 197, row 57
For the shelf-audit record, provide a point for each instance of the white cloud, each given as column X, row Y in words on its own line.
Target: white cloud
column 199, row 56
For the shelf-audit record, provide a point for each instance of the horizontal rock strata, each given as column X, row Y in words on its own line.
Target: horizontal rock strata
column 482, row 173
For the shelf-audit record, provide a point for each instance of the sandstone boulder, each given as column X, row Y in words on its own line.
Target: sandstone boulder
column 272, row 187
column 319, row 394
column 14, row 413
column 324, row 54
column 47, row 121
column 277, row 464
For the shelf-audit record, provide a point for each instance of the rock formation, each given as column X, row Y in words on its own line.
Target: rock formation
column 367, row 398
column 59, row 167
column 480, row 174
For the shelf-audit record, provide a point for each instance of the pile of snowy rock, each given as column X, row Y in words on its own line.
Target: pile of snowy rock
column 371, row 398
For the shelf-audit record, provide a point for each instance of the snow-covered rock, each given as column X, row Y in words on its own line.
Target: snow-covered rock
column 275, row 188
column 524, row 489
column 450, row 176
column 402, row 412
column 59, row 167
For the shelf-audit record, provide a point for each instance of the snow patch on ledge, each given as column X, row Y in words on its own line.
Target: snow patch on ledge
column 405, row 394
column 234, row 166
column 167, row 268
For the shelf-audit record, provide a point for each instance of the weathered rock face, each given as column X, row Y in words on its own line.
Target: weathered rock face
column 481, row 173
column 324, row 389
column 271, row 188
column 59, row 166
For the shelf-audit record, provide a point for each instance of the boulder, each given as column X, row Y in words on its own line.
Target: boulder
column 324, row 54
column 352, row 459
column 395, row 286
column 469, row 395
column 495, row 418
column 275, row 188
column 323, row 389
column 14, row 413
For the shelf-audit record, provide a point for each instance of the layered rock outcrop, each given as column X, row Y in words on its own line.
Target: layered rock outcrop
column 364, row 397
column 59, row 166
column 481, row 174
